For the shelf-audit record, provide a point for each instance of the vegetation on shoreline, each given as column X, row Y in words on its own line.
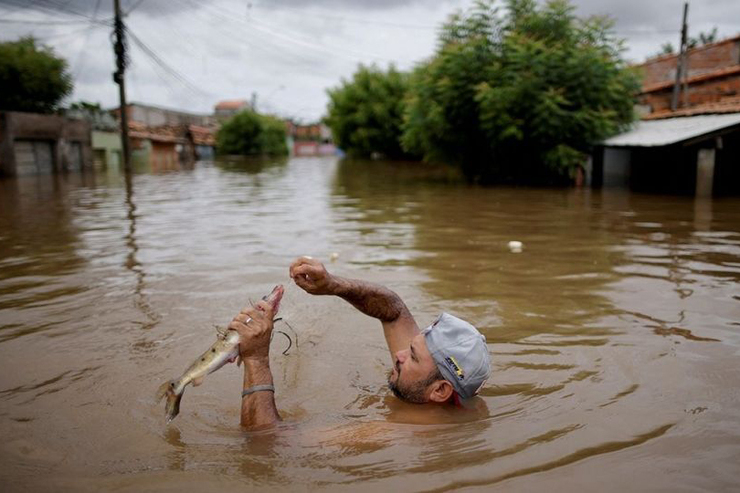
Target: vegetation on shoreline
column 249, row 133
column 517, row 95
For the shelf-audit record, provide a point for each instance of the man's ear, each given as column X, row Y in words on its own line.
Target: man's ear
column 441, row 391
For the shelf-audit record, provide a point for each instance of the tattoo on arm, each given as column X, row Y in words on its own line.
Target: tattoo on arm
column 371, row 299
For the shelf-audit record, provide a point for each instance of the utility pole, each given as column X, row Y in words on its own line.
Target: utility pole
column 681, row 60
column 119, row 49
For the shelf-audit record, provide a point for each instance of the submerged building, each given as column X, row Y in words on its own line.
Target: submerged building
column 33, row 143
column 694, row 149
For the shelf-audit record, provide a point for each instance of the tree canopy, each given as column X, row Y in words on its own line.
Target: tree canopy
column 365, row 114
column 32, row 77
column 249, row 133
column 521, row 94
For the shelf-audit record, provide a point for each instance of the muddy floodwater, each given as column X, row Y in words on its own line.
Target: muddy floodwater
column 614, row 334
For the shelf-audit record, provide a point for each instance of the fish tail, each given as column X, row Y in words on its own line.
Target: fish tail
column 162, row 390
column 172, row 404
column 172, row 407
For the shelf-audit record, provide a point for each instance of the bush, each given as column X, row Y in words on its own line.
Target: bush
column 519, row 97
column 32, row 77
column 250, row 134
column 366, row 113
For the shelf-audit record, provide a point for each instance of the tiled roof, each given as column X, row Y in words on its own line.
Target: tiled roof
column 231, row 105
column 723, row 72
column 173, row 133
column 725, row 105
column 203, row 135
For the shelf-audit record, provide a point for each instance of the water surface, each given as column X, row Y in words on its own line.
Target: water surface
column 615, row 334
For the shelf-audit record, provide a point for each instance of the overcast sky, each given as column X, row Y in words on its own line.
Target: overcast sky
column 286, row 51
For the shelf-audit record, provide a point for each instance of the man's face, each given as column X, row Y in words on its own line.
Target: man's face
column 413, row 372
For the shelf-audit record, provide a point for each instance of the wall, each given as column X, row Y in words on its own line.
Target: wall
column 707, row 91
column 701, row 60
column 155, row 117
column 616, row 170
column 110, row 145
column 71, row 139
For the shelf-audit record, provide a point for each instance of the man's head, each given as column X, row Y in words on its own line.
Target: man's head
column 449, row 357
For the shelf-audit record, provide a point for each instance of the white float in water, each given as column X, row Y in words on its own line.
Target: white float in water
column 333, row 256
column 516, row 246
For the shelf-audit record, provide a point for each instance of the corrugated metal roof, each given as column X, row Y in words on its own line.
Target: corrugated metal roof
column 655, row 133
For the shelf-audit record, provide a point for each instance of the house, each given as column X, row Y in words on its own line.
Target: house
column 713, row 73
column 226, row 109
column 310, row 140
column 106, row 135
column 32, row 143
column 155, row 116
column 694, row 149
column 166, row 139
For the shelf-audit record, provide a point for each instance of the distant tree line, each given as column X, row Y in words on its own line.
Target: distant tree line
column 514, row 95
column 249, row 133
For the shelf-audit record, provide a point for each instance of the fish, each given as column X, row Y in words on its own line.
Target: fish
column 224, row 350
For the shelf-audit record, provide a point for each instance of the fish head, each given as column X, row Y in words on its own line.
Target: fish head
column 275, row 297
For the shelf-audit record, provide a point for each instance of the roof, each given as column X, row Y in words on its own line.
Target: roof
column 231, row 105
column 724, row 105
column 695, row 49
column 716, row 74
column 202, row 135
column 655, row 133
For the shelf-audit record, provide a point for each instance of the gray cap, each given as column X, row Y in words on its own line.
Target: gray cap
column 460, row 352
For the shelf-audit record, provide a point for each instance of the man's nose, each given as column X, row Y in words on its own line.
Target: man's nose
column 402, row 355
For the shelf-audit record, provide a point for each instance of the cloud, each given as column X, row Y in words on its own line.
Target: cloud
column 289, row 51
column 86, row 8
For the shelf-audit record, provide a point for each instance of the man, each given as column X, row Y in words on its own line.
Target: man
column 444, row 363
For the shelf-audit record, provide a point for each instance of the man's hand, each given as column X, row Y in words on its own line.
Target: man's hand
column 254, row 325
column 311, row 276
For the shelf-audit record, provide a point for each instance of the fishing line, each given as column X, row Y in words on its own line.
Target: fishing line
column 290, row 341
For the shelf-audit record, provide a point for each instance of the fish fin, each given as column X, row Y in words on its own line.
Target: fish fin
column 162, row 390
column 197, row 381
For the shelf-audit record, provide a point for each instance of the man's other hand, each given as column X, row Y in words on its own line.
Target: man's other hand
column 311, row 276
column 254, row 325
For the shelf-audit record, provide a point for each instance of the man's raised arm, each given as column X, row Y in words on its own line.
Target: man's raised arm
column 254, row 325
column 371, row 299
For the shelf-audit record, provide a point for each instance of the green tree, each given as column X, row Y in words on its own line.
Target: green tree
column 32, row 77
column 250, row 134
column 520, row 95
column 365, row 114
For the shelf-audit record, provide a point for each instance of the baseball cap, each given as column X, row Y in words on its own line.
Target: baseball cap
column 460, row 352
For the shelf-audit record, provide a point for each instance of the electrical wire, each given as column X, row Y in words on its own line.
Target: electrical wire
column 133, row 7
column 166, row 67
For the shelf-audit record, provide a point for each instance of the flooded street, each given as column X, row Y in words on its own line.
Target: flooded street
column 614, row 335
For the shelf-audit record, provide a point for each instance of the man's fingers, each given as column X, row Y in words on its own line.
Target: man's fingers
column 307, row 270
column 237, row 326
column 265, row 307
column 301, row 261
column 303, row 283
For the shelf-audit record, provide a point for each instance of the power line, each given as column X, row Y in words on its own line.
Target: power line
column 330, row 16
column 79, row 66
column 133, row 7
column 167, row 68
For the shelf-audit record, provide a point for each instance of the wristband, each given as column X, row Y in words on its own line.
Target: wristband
column 257, row 388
